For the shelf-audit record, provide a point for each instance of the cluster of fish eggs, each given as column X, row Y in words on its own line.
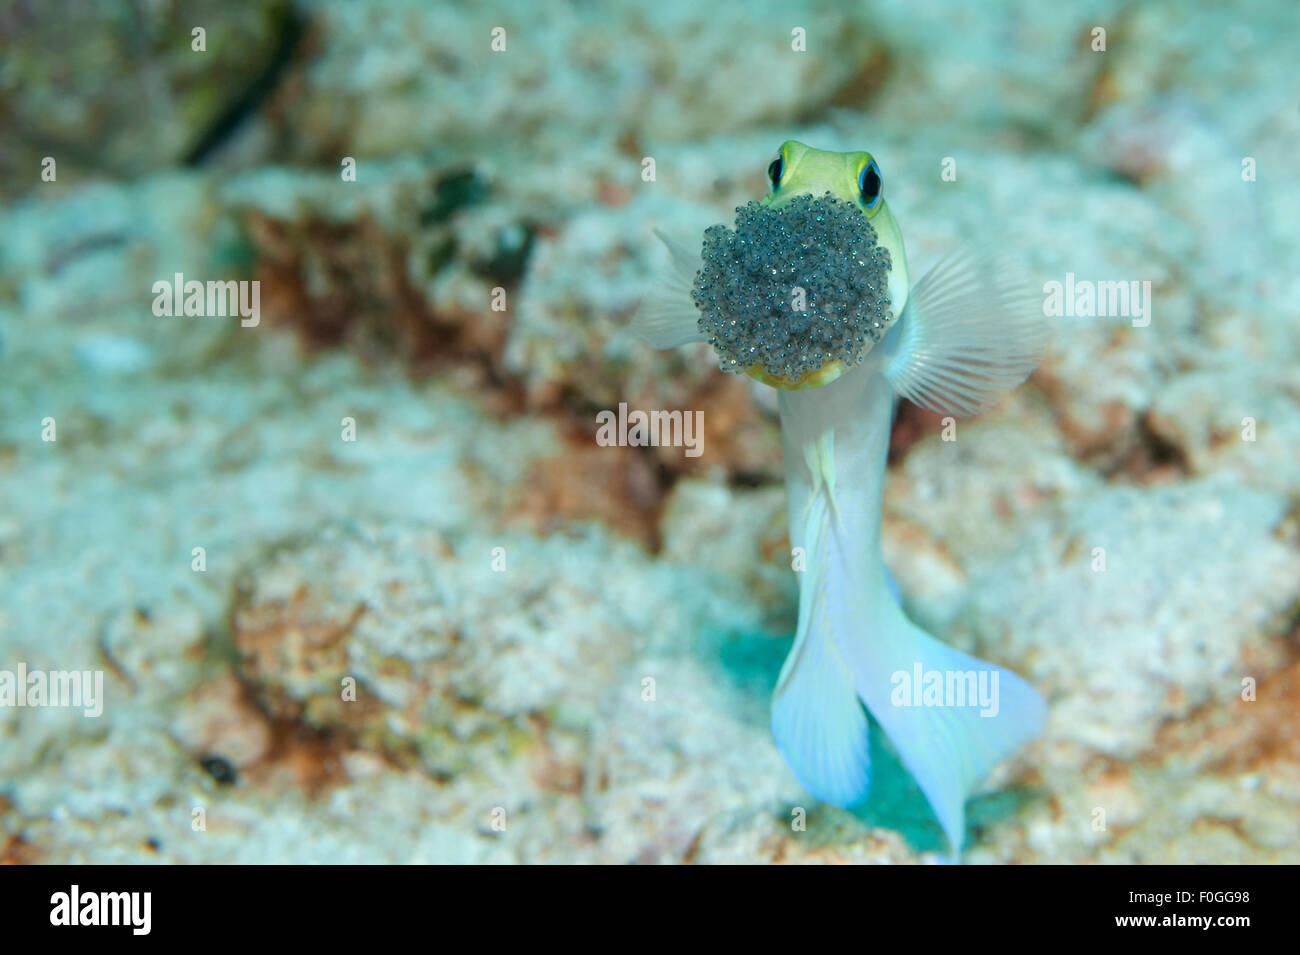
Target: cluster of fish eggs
column 790, row 289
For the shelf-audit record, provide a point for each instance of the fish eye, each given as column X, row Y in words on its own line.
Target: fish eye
column 775, row 170
column 869, row 184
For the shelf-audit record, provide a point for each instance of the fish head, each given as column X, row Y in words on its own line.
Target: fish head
column 805, row 237
column 852, row 177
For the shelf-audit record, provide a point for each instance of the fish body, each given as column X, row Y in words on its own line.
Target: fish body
column 966, row 334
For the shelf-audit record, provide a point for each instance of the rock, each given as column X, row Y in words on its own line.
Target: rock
column 447, row 654
column 118, row 88
column 1193, row 597
column 492, row 70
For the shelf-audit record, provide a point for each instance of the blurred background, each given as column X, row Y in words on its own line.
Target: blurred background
column 362, row 583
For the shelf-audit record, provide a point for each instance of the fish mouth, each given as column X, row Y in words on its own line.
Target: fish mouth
column 796, row 294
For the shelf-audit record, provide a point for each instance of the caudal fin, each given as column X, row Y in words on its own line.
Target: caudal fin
column 817, row 720
column 965, row 716
column 820, row 726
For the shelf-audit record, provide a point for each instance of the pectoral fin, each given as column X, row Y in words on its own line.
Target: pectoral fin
column 972, row 330
column 667, row 317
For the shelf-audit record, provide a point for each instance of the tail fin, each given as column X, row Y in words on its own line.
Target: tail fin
column 819, row 725
column 946, row 739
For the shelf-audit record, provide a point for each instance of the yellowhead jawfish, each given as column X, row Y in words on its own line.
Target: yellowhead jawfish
column 809, row 293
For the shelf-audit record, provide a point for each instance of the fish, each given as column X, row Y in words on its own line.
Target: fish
column 810, row 294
